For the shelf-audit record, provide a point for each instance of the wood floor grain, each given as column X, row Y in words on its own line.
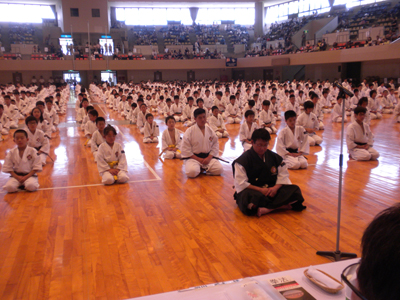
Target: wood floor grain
column 77, row 239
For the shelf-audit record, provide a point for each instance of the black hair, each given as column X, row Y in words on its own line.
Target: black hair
column 190, row 98
column 378, row 273
column 199, row 100
column 308, row 104
column 249, row 113
column 93, row 113
column 168, row 100
column 290, row 114
column 360, row 109
column 21, row 131
column 198, row 112
column 30, row 119
column 39, row 103
column 169, row 118
column 41, row 114
column 251, row 103
column 372, row 92
column 89, row 108
column 214, row 107
column 1, row 106
column 108, row 129
column 149, row 115
column 266, row 103
column 362, row 100
column 100, row 119
column 48, row 100
column 260, row 134
column 134, row 105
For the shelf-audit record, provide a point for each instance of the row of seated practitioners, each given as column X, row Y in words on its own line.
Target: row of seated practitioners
column 199, row 145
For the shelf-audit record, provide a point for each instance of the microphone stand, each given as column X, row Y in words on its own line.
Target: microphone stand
column 337, row 255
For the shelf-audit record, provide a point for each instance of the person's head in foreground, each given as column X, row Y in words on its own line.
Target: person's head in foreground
column 260, row 141
column 378, row 273
column 200, row 117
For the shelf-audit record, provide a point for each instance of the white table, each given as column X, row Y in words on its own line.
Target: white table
column 213, row 291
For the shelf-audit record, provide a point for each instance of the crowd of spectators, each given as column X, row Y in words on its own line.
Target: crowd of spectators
column 187, row 54
column 208, row 35
column 144, row 36
column 21, row 34
column 238, row 34
column 176, row 35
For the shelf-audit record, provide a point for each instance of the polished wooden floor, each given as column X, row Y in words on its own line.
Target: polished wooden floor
column 77, row 239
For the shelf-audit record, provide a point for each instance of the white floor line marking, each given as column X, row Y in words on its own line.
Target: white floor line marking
column 101, row 110
column 86, row 185
column 151, row 170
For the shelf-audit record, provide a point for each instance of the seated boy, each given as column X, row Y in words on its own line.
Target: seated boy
column 359, row 138
column 50, row 115
column 247, row 128
column 200, row 148
column 275, row 109
column 293, row 143
column 267, row 119
column 217, row 123
column 141, row 118
column 4, row 122
column 310, row 122
column 37, row 139
column 337, row 112
column 90, row 126
column 98, row 136
column 232, row 111
column 111, row 160
column 22, row 163
column 171, row 140
column 262, row 181
column 151, row 130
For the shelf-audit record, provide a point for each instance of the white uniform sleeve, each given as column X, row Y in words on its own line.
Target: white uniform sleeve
column 37, row 163
column 280, row 144
column 186, row 144
column 122, row 164
column 8, row 165
column 305, row 145
column 241, row 179
column 350, row 136
column 283, row 175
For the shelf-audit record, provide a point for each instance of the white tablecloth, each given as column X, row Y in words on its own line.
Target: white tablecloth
column 213, row 292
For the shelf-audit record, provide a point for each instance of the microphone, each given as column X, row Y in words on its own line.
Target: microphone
column 343, row 89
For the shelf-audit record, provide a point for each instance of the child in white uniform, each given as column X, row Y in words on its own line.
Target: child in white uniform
column 151, row 130
column 293, row 143
column 171, row 140
column 267, row 119
column 111, row 160
column 22, row 163
column 37, row 139
column 246, row 129
column 217, row 123
column 359, row 138
column 98, row 137
column 232, row 111
column 309, row 121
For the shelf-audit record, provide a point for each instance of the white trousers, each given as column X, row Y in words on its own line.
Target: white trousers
column 193, row 168
column 222, row 135
column 5, row 131
column 233, row 120
column 12, row 185
column 314, row 140
column 150, row 140
column 108, row 179
column 179, row 118
column 13, row 124
column 43, row 158
column 271, row 129
column 387, row 111
column 321, row 125
column 246, row 146
column 339, row 120
column 172, row 154
column 362, row 154
column 376, row 116
column 295, row 163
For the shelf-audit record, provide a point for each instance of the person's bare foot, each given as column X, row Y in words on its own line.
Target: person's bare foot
column 286, row 207
column 263, row 211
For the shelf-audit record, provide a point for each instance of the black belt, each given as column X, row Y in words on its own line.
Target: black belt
column 21, row 174
column 274, row 112
column 360, row 144
column 38, row 148
column 291, row 150
column 267, row 123
column 205, row 155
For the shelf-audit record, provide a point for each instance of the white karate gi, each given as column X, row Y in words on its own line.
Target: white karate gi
column 337, row 113
column 295, row 107
column 397, row 112
column 40, row 142
column 299, row 141
column 30, row 161
column 367, row 119
column 151, row 131
column 177, row 109
column 267, row 117
column 96, row 141
column 5, row 124
column 275, row 108
column 374, row 105
column 141, row 120
column 194, row 141
column 167, row 141
column 245, row 134
column 218, row 124
column 354, row 135
column 12, row 113
column 51, row 117
column 107, row 154
column 187, row 115
column 387, row 102
column 310, row 121
column 233, row 110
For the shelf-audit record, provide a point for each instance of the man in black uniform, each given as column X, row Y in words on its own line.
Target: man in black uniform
column 262, row 180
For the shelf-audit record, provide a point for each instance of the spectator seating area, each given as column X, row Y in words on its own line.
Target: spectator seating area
column 176, row 35
column 144, row 35
column 21, row 34
column 128, row 57
column 209, row 35
column 238, row 35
